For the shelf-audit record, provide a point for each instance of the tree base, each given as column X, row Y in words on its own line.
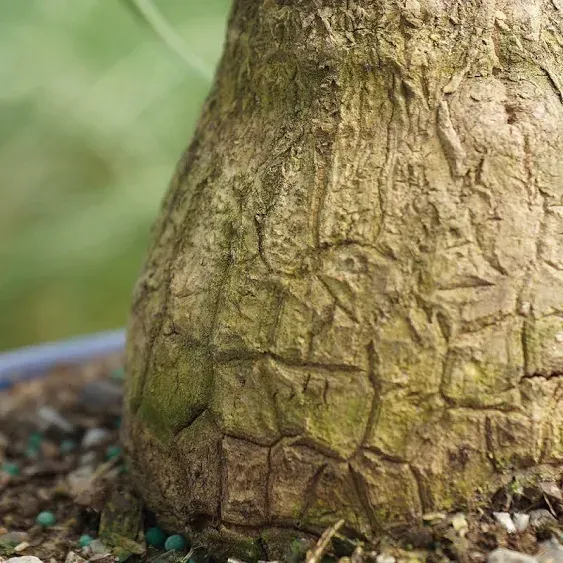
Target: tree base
column 178, row 492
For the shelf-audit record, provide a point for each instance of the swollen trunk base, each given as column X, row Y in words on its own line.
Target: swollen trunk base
column 353, row 303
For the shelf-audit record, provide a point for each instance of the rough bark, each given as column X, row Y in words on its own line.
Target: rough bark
column 353, row 303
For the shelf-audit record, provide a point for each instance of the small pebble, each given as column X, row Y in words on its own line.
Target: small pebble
column 504, row 519
column 176, row 542
column 50, row 417
column 385, row 558
column 72, row 557
column 94, row 437
column 46, row 519
column 80, row 480
column 85, row 540
column 21, row 546
column 11, row 469
column 155, row 537
column 521, row 521
column 24, row 559
column 67, row 446
column 112, row 452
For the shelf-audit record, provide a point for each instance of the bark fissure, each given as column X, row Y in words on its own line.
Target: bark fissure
column 377, row 390
column 363, row 495
column 385, row 178
column 309, row 495
column 546, row 376
column 256, row 356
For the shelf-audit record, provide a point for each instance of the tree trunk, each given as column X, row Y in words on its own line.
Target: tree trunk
column 353, row 303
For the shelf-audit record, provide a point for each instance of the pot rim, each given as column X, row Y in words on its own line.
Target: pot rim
column 29, row 362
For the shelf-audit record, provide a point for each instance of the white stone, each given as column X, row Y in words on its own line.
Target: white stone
column 521, row 521
column 21, row 546
column 48, row 416
column 24, row 559
column 504, row 519
column 94, row 437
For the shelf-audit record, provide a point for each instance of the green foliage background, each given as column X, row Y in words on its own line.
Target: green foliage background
column 95, row 109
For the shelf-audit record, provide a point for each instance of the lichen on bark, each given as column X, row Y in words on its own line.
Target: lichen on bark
column 353, row 302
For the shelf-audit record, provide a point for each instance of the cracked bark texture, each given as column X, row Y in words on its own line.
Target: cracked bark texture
column 353, row 302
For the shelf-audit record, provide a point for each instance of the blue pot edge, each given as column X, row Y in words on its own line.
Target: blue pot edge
column 33, row 361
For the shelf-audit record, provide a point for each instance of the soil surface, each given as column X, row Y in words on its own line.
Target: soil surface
column 66, row 494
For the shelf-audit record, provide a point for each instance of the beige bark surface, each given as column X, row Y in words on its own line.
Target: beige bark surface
column 353, row 303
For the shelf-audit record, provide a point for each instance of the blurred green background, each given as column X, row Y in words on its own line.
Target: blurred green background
column 95, row 108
